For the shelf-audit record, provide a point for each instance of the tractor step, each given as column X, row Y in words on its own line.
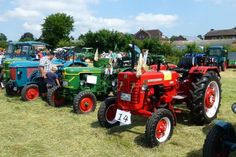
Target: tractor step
column 179, row 97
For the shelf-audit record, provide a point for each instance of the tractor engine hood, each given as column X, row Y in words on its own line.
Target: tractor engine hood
column 22, row 64
column 78, row 70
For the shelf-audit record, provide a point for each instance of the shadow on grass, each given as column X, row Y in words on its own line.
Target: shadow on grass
column 195, row 153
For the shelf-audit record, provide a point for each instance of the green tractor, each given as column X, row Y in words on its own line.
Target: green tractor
column 84, row 84
column 217, row 56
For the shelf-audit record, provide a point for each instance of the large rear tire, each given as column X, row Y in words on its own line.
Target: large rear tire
column 206, row 98
column 107, row 112
column 159, row 127
column 214, row 144
column 54, row 96
column 84, row 102
column 30, row 92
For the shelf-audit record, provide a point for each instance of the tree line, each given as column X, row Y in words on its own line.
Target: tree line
column 56, row 30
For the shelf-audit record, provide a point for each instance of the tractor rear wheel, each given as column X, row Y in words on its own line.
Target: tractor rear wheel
column 107, row 112
column 30, row 92
column 159, row 127
column 214, row 143
column 54, row 96
column 84, row 102
column 205, row 100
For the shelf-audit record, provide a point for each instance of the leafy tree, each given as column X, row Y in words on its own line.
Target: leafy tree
column 3, row 41
column 3, row 37
column 177, row 38
column 200, row 37
column 27, row 37
column 57, row 27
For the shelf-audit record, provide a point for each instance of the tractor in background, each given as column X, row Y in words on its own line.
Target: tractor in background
column 221, row 139
column 153, row 94
column 217, row 56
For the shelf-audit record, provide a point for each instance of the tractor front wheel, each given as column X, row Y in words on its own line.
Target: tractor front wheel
column 214, row 143
column 84, row 102
column 55, row 97
column 206, row 99
column 159, row 127
column 9, row 90
column 30, row 92
column 107, row 112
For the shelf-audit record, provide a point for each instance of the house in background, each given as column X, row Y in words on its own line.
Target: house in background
column 154, row 33
column 221, row 34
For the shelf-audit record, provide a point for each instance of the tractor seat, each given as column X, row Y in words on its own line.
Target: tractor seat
column 187, row 62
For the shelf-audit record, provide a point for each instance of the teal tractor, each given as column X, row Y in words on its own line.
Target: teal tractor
column 26, row 80
column 19, row 51
column 217, row 56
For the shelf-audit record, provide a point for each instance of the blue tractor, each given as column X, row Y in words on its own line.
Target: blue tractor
column 19, row 51
column 25, row 78
column 221, row 139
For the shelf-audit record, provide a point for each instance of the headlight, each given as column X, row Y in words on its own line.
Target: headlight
column 82, row 83
column 19, row 73
column 144, row 87
column 65, row 83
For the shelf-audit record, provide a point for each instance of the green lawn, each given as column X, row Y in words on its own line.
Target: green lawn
column 36, row 129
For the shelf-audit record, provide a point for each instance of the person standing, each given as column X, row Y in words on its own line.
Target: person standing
column 45, row 66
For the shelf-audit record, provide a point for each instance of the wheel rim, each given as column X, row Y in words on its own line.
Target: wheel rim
column 32, row 93
column 86, row 104
column 111, row 113
column 57, row 99
column 163, row 128
column 212, row 98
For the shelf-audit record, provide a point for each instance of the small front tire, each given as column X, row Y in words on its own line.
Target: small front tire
column 159, row 127
column 107, row 112
column 84, row 102
column 54, row 96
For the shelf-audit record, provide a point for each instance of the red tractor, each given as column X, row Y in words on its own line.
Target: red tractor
column 154, row 94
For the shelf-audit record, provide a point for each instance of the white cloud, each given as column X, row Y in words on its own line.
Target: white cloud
column 32, row 27
column 32, row 14
column 22, row 13
column 156, row 19
column 218, row 1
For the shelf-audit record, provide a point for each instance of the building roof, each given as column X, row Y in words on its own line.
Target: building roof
column 224, row 32
column 151, row 33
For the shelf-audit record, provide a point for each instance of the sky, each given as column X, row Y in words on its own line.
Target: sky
column 172, row 17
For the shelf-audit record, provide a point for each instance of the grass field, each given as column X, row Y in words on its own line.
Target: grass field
column 36, row 129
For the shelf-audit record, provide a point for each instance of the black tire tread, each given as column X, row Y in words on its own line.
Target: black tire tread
column 24, row 90
column 102, row 111
column 80, row 96
column 211, row 143
column 151, row 126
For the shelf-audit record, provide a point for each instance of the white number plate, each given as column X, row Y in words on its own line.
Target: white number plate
column 125, row 97
column 65, row 83
column 123, row 117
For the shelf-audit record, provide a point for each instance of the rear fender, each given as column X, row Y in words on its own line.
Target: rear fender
column 227, row 127
column 203, row 69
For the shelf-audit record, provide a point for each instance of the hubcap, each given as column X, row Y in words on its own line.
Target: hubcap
column 111, row 113
column 86, row 104
column 32, row 93
column 212, row 98
column 163, row 128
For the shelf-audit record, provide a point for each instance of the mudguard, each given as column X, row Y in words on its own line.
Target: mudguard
column 226, row 126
